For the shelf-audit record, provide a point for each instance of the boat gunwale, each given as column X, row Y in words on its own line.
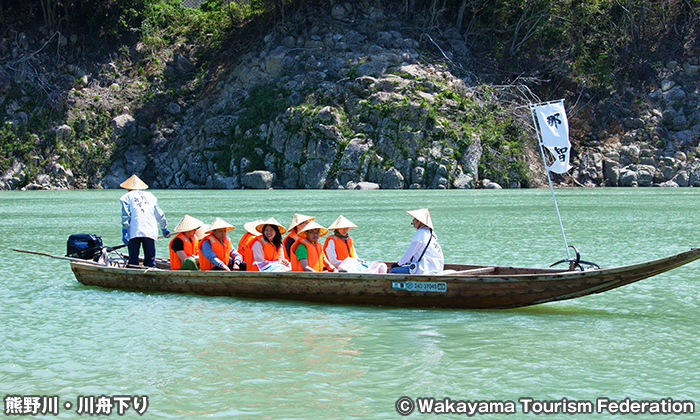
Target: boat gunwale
column 538, row 274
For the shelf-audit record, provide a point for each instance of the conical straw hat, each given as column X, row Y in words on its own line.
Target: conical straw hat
column 188, row 223
column 311, row 226
column 220, row 223
column 201, row 231
column 297, row 219
column 342, row 222
column 134, row 183
column 270, row 221
column 250, row 227
column 423, row 216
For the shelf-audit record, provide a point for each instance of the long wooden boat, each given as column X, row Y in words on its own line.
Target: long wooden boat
column 460, row 286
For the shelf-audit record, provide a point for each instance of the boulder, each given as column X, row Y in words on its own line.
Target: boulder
column 611, row 172
column 123, row 124
column 366, row 186
column 591, row 168
column 259, row 180
column 392, row 179
column 183, row 64
column 463, row 181
column 312, row 174
column 628, row 178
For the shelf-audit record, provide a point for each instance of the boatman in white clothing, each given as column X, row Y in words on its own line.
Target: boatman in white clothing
column 141, row 218
column 424, row 255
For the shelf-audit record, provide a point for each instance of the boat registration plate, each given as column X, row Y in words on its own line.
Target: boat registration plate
column 422, row 286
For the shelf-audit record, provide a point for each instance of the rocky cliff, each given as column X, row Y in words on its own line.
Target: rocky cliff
column 346, row 97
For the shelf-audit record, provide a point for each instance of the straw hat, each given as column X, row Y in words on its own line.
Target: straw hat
column 201, row 231
column 423, row 216
column 311, row 226
column 187, row 224
column 342, row 222
column 250, row 226
column 270, row 221
column 134, row 183
column 298, row 219
column 219, row 223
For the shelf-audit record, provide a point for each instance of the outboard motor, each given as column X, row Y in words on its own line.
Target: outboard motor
column 85, row 246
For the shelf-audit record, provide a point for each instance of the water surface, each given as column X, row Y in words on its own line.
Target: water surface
column 218, row 357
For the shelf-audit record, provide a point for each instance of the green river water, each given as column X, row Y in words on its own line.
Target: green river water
column 219, row 357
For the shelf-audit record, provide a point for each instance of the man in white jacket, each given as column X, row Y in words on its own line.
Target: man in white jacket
column 141, row 217
column 424, row 255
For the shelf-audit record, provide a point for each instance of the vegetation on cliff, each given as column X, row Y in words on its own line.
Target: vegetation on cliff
column 62, row 85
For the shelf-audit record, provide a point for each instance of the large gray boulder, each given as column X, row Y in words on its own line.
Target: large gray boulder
column 392, row 180
column 313, row 174
column 123, row 125
column 259, row 180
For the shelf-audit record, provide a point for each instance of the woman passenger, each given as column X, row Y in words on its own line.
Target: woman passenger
column 267, row 248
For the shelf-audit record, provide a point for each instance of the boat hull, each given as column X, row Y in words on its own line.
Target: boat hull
column 471, row 287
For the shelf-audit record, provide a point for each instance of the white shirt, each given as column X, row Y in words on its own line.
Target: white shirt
column 432, row 261
column 141, row 214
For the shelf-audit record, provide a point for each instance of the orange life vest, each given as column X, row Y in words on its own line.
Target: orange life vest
column 294, row 237
column 270, row 252
column 222, row 251
column 188, row 245
column 343, row 248
column 314, row 255
column 245, row 248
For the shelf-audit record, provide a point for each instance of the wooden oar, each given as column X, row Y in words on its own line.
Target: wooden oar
column 56, row 256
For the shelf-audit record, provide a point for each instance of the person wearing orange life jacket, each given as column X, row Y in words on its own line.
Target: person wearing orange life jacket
column 246, row 242
column 183, row 247
column 340, row 250
column 339, row 246
column 299, row 221
column 267, row 248
column 307, row 252
column 216, row 251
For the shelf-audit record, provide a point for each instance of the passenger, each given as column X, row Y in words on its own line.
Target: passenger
column 215, row 250
column 246, row 242
column 299, row 221
column 183, row 247
column 267, row 248
column 424, row 255
column 341, row 252
column 140, row 219
column 307, row 252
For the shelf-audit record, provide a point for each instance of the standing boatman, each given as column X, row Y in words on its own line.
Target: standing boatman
column 140, row 219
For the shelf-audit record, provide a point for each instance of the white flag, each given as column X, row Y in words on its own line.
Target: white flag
column 554, row 129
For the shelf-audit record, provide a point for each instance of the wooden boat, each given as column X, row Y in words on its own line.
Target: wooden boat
column 460, row 286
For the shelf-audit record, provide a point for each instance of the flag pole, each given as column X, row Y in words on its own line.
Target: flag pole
column 549, row 178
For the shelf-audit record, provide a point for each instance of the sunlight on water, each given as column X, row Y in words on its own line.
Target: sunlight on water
column 217, row 357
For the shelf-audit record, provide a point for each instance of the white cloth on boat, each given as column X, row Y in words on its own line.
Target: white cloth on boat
column 141, row 214
column 269, row 266
column 354, row 265
column 432, row 261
